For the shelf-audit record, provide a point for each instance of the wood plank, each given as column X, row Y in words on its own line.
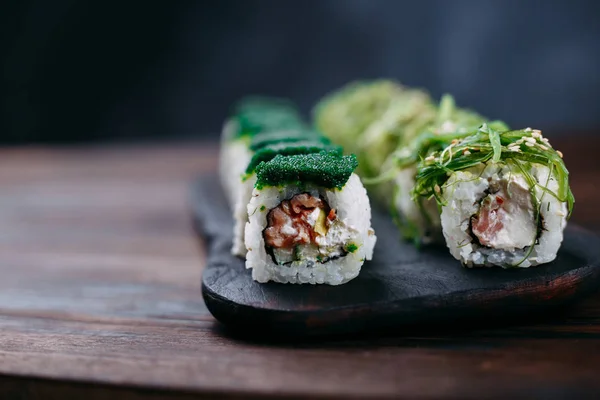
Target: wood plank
column 197, row 358
column 100, row 290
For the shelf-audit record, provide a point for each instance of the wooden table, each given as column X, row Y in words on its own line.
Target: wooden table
column 100, row 296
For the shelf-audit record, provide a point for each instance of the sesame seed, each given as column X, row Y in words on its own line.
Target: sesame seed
column 448, row 126
column 529, row 144
column 454, row 141
column 527, row 129
column 430, row 158
column 515, row 149
column 530, row 140
column 537, row 131
column 467, row 153
column 560, row 154
column 543, row 147
column 437, row 188
column 536, row 134
column 520, row 141
column 545, row 140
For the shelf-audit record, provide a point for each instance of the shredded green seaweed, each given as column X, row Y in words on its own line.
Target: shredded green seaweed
column 452, row 124
column 494, row 137
column 449, row 125
column 345, row 114
column 371, row 118
column 518, row 148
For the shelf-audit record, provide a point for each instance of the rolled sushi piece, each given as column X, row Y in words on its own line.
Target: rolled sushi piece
column 419, row 218
column 257, row 122
column 251, row 115
column 264, row 147
column 309, row 220
column 504, row 197
column 346, row 113
column 371, row 119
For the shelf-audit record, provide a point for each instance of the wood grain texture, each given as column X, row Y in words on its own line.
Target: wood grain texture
column 100, row 296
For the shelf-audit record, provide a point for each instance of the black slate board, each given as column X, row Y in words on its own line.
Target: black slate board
column 400, row 286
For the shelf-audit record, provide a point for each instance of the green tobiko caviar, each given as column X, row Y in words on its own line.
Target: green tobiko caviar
column 328, row 169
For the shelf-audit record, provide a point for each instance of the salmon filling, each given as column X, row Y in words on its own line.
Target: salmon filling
column 506, row 219
column 304, row 227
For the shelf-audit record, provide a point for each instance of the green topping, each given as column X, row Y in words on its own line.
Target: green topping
column 518, row 149
column 284, row 150
column 494, row 137
column 262, row 114
column 262, row 208
column 351, row 248
column 263, row 139
column 255, row 122
column 267, row 153
column 451, row 124
column 406, row 116
column 345, row 114
column 328, row 169
column 372, row 118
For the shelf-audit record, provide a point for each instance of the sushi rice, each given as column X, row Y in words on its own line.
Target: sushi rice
column 504, row 197
column 351, row 231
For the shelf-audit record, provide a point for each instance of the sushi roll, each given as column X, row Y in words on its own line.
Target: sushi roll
column 371, row 119
column 264, row 147
column 256, row 122
column 504, row 197
column 301, row 214
column 251, row 116
column 419, row 218
column 309, row 220
column 345, row 114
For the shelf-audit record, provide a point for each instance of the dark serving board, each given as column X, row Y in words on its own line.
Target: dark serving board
column 400, row 286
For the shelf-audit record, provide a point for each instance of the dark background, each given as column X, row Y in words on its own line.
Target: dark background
column 75, row 70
